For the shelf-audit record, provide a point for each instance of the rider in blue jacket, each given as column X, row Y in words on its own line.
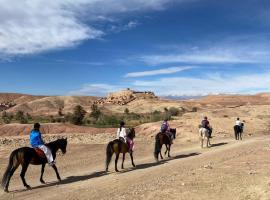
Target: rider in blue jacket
column 37, row 142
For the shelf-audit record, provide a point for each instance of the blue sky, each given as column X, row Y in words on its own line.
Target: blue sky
column 171, row 47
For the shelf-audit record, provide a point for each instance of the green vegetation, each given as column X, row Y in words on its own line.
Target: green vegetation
column 96, row 118
column 21, row 117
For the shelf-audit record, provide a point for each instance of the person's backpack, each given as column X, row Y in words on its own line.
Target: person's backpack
column 164, row 128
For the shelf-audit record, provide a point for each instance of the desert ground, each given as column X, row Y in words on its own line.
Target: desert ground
column 230, row 169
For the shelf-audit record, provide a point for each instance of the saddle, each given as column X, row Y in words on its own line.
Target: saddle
column 40, row 153
column 123, row 141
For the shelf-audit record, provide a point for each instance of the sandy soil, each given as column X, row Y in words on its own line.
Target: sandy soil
column 228, row 170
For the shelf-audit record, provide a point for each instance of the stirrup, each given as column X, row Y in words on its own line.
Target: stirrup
column 51, row 163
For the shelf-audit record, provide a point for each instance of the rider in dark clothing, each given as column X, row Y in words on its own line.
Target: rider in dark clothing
column 206, row 124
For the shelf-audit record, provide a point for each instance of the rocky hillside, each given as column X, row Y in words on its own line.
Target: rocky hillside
column 138, row 102
column 125, row 96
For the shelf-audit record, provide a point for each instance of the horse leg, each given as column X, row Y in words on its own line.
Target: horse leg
column 202, row 142
column 169, row 149
column 240, row 135
column 12, row 170
column 24, row 169
column 123, row 160
column 42, row 171
column 56, row 172
column 131, row 156
column 116, row 160
column 207, row 142
column 160, row 153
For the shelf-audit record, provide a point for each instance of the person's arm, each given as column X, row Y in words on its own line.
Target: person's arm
column 118, row 133
column 40, row 139
column 124, row 132
column 168, row 127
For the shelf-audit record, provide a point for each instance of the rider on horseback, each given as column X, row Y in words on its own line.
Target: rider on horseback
column 239, row 123
column 165, row 129
column 122, row 135
column 205, row 124
column 37, row 142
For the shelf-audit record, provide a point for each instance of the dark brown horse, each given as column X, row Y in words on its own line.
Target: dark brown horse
column 118, row 146
column 162, row 138
column 25, row 156
column 238, row 130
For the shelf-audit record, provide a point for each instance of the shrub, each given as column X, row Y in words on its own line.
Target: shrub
column 21, row 117
column 78, row 115
column 6, row 117
column 174, row 111
column 194, row 109
column 109, row 120
column 126, row 111
column 95, row 112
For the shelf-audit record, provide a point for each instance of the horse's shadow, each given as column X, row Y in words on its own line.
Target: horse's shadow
column 68, row 180
column 219, row 144
column 73, row 179
column 161, row 162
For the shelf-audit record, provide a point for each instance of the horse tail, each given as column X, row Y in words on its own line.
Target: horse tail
column 157, row 146
column 13, row 163
column 109, row 153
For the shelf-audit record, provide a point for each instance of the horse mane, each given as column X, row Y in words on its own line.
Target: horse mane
column 56, row 143
column 130, row 133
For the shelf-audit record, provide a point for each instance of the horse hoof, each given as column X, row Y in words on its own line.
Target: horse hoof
column 6, row 190
column 43, row 182
column 28, row 187
column 134, row 165
column 117, row 170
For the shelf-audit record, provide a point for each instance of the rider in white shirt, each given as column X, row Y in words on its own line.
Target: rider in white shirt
column 121, row 132
column 238, row 122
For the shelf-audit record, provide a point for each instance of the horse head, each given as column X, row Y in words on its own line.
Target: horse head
column 62, row 144
column 131, row 133
column 173, row 131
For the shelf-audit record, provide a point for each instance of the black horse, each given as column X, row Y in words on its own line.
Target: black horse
column 25, row 156
column 162, row 138
column 118, row 146
column 238, row 130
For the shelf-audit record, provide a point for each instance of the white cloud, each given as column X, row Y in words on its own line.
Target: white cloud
column 208, row 84
column 28, row 27
column 169, row 70
column 189, row 86
column 124, row 27
column 226, row 52
column 198, row 58
column 96, row 89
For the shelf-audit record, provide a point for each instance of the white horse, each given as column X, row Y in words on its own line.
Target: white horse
column 204, row 133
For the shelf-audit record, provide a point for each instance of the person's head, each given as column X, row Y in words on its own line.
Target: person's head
column 166, row 120
column 122, row 124
column 238, row 118
column 205, row 117
column 36, row 126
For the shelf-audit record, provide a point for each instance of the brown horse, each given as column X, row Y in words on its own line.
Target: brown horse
column 162, row 138
column 25, row 156
column 118, row 146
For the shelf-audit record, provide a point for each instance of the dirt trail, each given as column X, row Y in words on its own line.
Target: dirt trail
column 229, row 170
